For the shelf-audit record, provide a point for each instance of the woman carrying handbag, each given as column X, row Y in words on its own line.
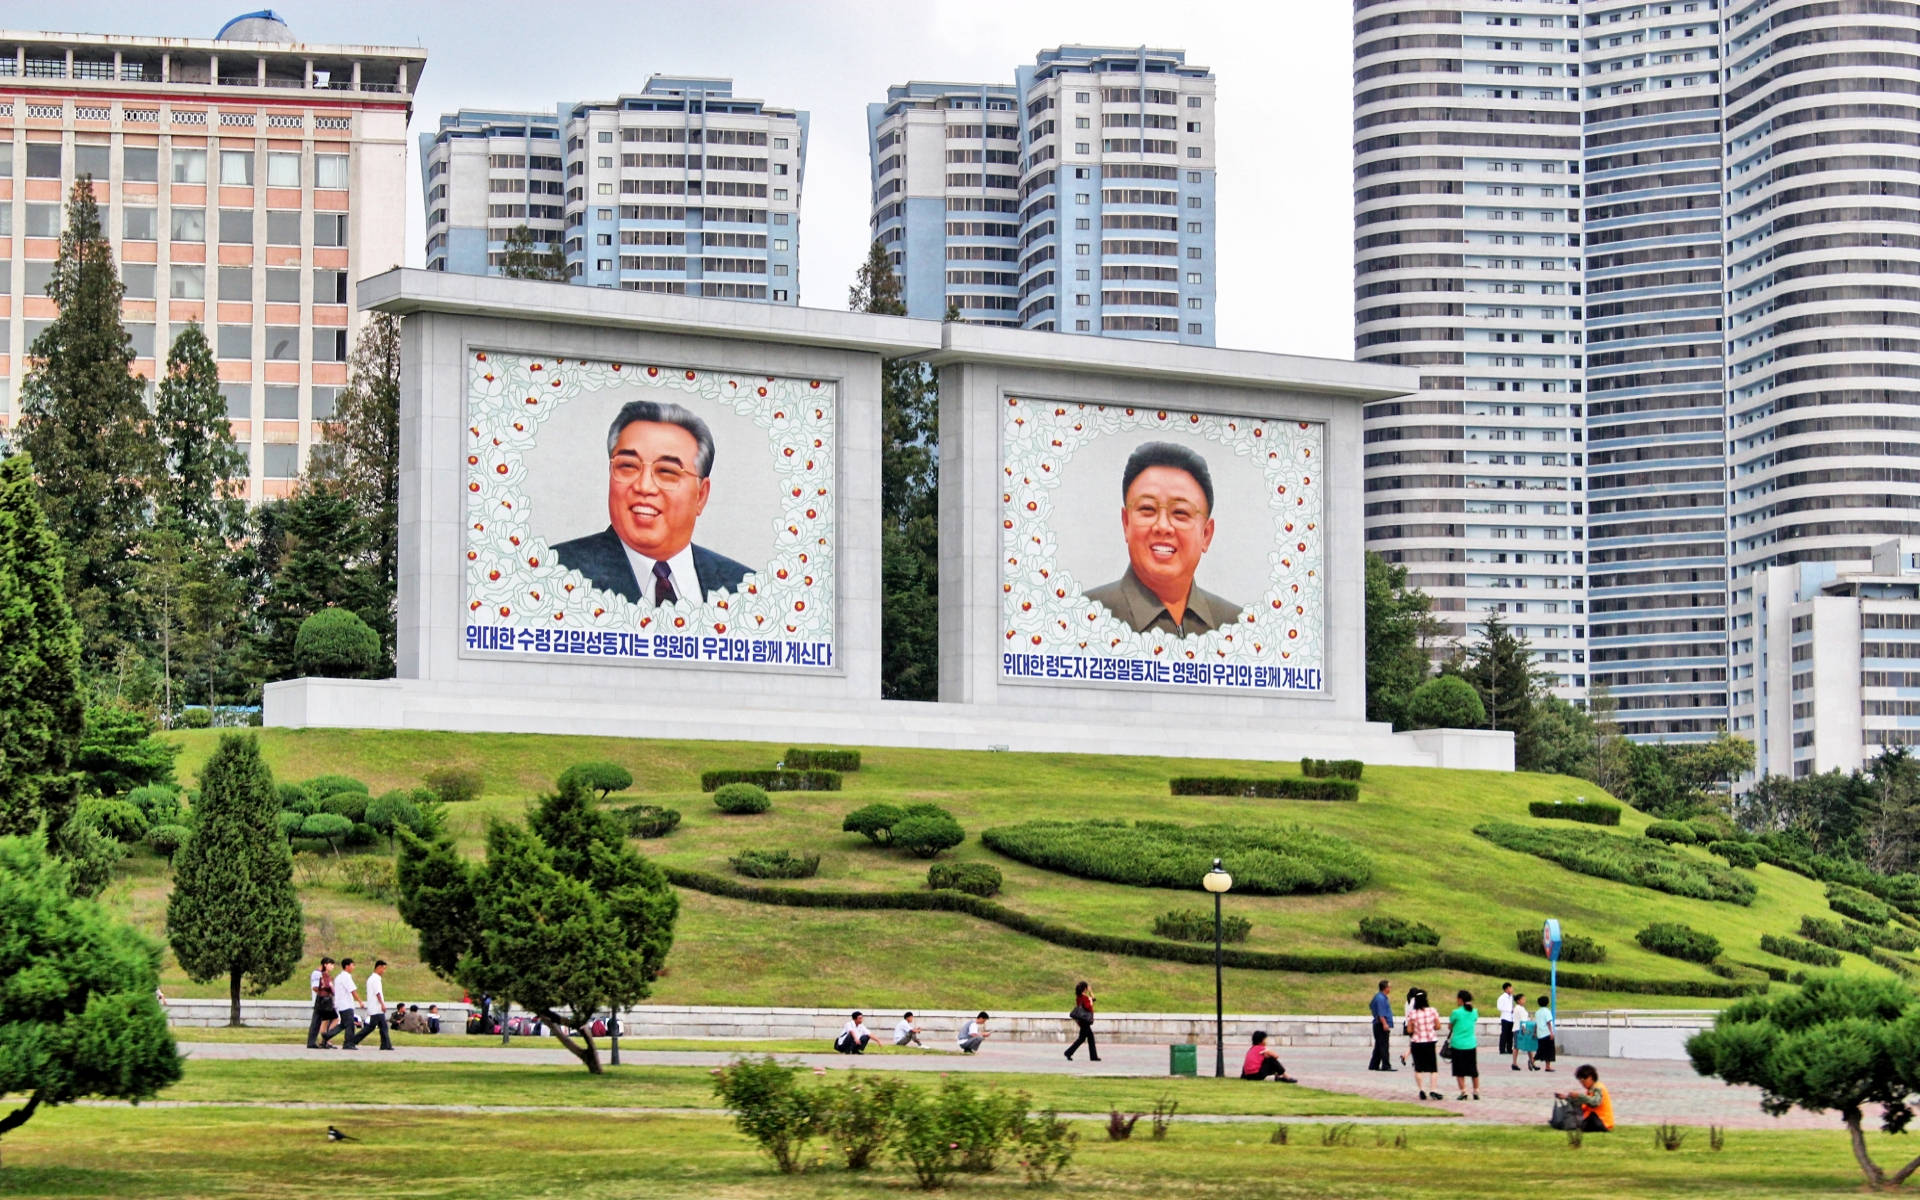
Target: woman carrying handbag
column 1082, row 1015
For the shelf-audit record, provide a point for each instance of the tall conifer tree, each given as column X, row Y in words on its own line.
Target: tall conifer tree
column 41, row 709
column 361, row 457
column 193, row 487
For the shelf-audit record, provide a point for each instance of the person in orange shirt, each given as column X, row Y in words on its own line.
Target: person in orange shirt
column 1596, row 1105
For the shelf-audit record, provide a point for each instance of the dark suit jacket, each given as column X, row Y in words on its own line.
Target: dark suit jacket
column 602, row 558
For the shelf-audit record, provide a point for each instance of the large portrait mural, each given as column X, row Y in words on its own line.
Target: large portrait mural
column 647, row 512
column 1157, row 547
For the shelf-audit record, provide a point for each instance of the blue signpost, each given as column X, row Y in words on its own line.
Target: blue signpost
column 1550, row 942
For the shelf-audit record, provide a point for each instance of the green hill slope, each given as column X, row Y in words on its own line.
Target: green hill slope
column 1415, row 824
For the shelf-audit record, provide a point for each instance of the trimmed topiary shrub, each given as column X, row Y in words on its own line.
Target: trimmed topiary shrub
column 1639, row 861
column 821, row 760
column 1673, row 833
column 647, row 820
column 1332, row 768
column 328, row 827
column 875, row 822
column 158, row 803
column 115, row 819
column 1591, row 812
column 454, row 785
column 1737, row 854
column 351, row 805
column 1446, row 702
column 1265, row 860
column 1268, row 789
column 774, row 781
column 741, row 798
column 1799, row 951
column 775, row 864
column 1679, row 941
column 322, row 786
column 1395, row 932
column 295, row 797
column 1705, row 831
column 601, row 778
column 1573, row 947
column 973, row 878
column 1193, row 925
column 926, row 834
column 1852, row 902
column 166, row 840
column 335, row 643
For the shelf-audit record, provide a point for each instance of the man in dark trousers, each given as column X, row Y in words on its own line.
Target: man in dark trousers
column 322, row 989
column 1382, row 1010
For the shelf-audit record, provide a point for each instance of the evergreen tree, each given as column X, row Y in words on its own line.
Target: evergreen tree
column 318, row 547
column 233, row 911
column 1611, row 764
column 1400, row 625
column 42, row 712
column 525, row 260
column 1561, row 739
column 193, row 489
column 909, row 501
column 361, row 456
column 84, row 422
column 1500, row 668
column 1893, row 829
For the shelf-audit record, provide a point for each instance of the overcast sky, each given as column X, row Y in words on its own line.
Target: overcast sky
column 1285, row 196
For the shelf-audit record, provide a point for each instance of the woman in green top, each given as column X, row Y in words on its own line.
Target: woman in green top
column 1465, row 1043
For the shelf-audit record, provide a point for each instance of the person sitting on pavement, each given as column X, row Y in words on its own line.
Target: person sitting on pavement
column 1596, row 1105
column 907, row 1032
column 1262, row 1063
column 855, row 1037
column 973, row 1033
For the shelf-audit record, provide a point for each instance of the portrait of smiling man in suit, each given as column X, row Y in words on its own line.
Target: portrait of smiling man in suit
column 659, row 459
column 1166, row 518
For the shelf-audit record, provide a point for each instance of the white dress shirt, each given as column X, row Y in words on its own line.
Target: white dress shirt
column 343, row 991
column 1505, row 1005
column 686, row 582
column 376, row 993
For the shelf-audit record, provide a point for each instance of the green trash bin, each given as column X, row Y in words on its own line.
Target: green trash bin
column 1183, row 1058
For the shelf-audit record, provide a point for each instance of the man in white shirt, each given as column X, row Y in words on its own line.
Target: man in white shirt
column 345, row 999
column 855, row 1036
column 1505, row 1004
column 907, row 1032
column 376, row 1009
column 314, row 990
column 974, row 1033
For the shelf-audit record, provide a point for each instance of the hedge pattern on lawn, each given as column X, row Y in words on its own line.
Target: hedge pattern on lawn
column 1673, row 833
column 1737, row 854
column 1395, row 932
column 773, row 781
column 1856, row 938
column 1264, row 860
column 1266, row 789
column 775, row 864
column 798, row 759
column 1592, row 812
column 1679, row 941
column 1194, row 925
column 1574, row 947
column 1852, row 902
column 1332, row 768
column 647, row 820
column 1638, row 861
column 1799, row 951
column 973, row 878
column 1427, row 958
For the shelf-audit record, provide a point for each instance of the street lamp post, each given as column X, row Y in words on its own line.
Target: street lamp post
column 1218, row 882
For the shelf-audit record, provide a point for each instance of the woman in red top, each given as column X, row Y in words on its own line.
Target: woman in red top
column 1082, row 1015
column 1423, row 1031
column 1262, row 1063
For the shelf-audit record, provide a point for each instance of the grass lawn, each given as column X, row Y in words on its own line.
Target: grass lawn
column 134, row 1153
column 257, row 1035
column 1416, row 824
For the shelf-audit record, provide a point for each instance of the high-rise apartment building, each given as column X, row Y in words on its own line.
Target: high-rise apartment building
column 684, row 188
column 1079, row 200
column 246, row 182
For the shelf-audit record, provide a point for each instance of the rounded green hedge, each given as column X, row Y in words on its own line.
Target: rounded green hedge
column 1673, row 833
column 741, row 798
column 1264, row 860
column 1679, row 941
column 335, row 643
column 973, row 878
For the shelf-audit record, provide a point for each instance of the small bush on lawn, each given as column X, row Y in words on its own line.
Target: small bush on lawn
column 821, row 760
column 1673, row 833
column 1679, row 941
column 1332, row 768
column 294, row 797
column 1639, row 861
column 369, row 876
column 351, row 805
column 1706, row 831
column 1852, row 902
column 925, row 835
column 115, row 819
column 335, row 643
column 647, row 820
column 454, row 785
column 954, row 1129
column 741, row 798
column 1737, row 854
column 775, row 864
column 1045, row 1144
column 1573, row 947
column 158, row 803
column 774, row 781
column 1592, row 812
column 601, row 778
column 973, row 878
column 166, row 840
column 322, row 786
column 1265, row 860
column 1192, row 925
column 1799, row 951
column 1395, row 932
column 859, row 1114
column 1266, row 789
column 769, row 1106
column 875, row 822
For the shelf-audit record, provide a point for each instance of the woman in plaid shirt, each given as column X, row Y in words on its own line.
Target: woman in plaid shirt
column 1423, row 1031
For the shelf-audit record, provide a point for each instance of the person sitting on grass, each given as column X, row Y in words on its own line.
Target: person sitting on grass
column 907, row 1032
column 1262, row 1063
column 973, row 1033
column 1596, row 1105
column 855, row 1037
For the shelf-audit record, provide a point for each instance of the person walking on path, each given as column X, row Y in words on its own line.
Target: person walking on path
column 1464, row 1040
column 1525, row 1039
column 1381, row 1009
column 854, row 1037
column 1262, row 1063
column 1596, row 1104
column 1543, row 1031
column 1423, row 1036
column 320, row 987
column 1504, row 1002
column 973, row 1033
column 345, row 1000
column 907, row 1032
column 376, row 1009
column 1082, row 1015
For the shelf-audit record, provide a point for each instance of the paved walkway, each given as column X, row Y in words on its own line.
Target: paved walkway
column 1645, row 1092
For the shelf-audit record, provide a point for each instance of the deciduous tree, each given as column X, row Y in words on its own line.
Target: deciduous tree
column 361, row 457
column 1400, row 625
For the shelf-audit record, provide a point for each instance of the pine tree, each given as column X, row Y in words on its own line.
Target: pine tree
column 1500, row 667
column 193, row 488
column 526, row 261
column 84, row 422
column 361, row 455
column 319, row 550
column 42, row 711
column 233, row 911
column 909, row 501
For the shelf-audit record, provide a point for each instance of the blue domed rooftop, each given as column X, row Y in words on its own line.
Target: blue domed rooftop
column 262, row 26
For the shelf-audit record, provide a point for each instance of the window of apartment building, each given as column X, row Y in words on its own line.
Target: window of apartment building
column 283, row 342
column 329, row 287
column 330, row 171
column 1082, row 275
column 283, row 170
column 236, row 283
column 779, row 193
column 780, row 294
column 96, row 161
column 1083, row 97
column 329, row 345
column 1193, row 302
column 1082, row 148
column 324, row 399
column 187, row 282
column 1193, row 252
column 1193, row 176
column 140, row 164
column 141, row 335
column 280, row 460
column 233, row 341
column 329, row 229
column 603, row 264
column 604, row 136
column 1193, row 202
column 1082, row 248
column 187, row 224
column 1193, row 327
column 1193, row 226
column 43, row 220
column 781, row 269
column 779, row 243
column 780, row 218
column 189, row 166
column 236, row 168
column 780, row 143
column 236, row 226
column 282, row 403
column 137, row 279
column 1083, row 223
column 1081, row 299
column 283, row 287
column 6, row 158
column 1193, row 127
column 780, row 168
column 38, row 276
column 1080, row 173
column 1193, row 102
column 1193, row 277
column 43, row 160
column 1082, row 326
column 283, row 227
column 604, row 189
column 605, row 161
column 603, row 214
column 239, row 397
